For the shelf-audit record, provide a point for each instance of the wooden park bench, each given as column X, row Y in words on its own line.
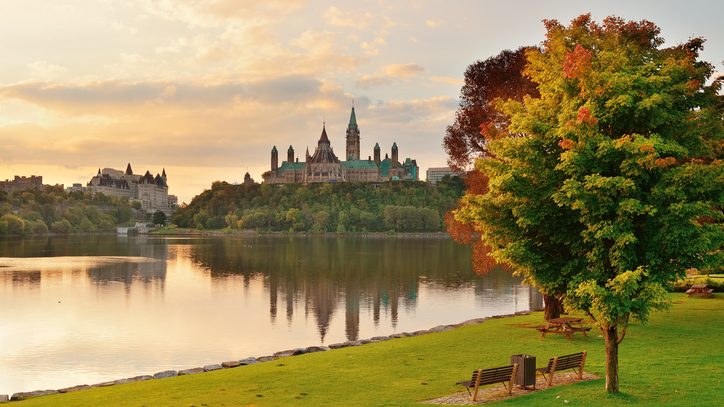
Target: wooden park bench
column 482, row 377
column 575, row 361
column 699, row 290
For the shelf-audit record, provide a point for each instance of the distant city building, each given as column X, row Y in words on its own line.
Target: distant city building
column 150, row 191
column 248, row 180
column 325, row 166
column 76, row 187
column 435, row 174
column 22, row 183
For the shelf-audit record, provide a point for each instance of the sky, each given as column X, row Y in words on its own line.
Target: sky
column 205, row 88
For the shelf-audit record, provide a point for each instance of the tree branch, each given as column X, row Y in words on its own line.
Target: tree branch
column 624, row 328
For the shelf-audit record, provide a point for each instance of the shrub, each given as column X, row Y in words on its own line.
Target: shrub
column 61, row 226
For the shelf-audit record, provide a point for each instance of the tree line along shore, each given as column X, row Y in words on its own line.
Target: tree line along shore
column 404, row 207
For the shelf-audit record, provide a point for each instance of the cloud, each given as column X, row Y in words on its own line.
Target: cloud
column 371, row 48
column 42, row 70
column 389, row 74
column 433, row 23
column 357, row 19
column 100, row 96
column 210, row 13
column 368, row 81
column 439, row 108
column 403, row 70
column 450, row 80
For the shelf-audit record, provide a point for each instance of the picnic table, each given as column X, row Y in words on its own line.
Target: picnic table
column 700, row 290
column 566, row 326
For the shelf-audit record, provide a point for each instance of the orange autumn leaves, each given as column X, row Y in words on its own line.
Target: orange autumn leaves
column 577, row 62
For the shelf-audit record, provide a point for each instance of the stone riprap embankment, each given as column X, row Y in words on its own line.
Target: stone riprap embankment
column 230, row 364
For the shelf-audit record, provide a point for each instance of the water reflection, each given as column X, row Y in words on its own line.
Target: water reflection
column 361, row 273
column 89, row 309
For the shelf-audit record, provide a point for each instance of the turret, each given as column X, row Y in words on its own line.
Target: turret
column 394, row 154
column 290, row 155
column 274, row 159
column 129, row 171
column 377, row 153
column 247, row 179
column 163, row 174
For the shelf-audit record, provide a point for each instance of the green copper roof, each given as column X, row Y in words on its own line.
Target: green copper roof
column 287, row 166
column 274, row 149
column 385, row 167
column 359, row 164
column 394, row 146
column 290, row 148
column 352, row 119
column 377, row 146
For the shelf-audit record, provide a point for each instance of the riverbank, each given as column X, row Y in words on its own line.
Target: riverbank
column 176, row 231
column 408, row 370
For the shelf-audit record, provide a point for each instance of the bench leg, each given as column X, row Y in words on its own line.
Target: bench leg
column 583, row 363
column 477, row 385
column 512, row 379
column 552, row 372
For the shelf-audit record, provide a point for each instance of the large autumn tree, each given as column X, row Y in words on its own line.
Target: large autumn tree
column 477, row 122
column 487, row 81
column 615, row 187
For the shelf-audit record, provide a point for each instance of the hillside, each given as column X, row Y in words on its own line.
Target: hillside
column 327, row 207
column 40, row 211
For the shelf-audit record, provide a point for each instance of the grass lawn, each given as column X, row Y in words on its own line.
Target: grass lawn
column 676, row 359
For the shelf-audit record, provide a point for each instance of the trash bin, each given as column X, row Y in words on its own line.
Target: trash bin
column 526, row 370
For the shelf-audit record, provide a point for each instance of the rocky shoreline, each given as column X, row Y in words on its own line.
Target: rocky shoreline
column 230, row 364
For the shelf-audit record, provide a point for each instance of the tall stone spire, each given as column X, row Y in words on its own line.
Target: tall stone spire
column 274, row 158
column 290, row 154
column 129, row 171
column 353, row 144
column 377, row 153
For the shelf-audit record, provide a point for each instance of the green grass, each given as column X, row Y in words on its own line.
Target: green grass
column 676, row 359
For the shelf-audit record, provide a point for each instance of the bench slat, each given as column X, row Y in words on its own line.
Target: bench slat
column 572, row 361
column 490, row 376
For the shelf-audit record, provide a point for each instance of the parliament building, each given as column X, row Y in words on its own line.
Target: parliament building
column 325, row 166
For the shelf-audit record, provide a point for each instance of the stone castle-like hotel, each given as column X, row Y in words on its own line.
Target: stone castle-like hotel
column 324, row 166
column 150, row 191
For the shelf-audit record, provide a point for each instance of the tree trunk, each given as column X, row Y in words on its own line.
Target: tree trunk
column 610, row 334
column 553, row 307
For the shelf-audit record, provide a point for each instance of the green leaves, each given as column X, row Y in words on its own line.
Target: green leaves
column 611, row 303
column 614, row 187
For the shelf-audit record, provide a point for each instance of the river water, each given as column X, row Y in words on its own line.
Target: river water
column 87, row 309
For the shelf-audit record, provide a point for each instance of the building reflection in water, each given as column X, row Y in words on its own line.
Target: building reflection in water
column 317, row 276
column 102, row 261
column 320, row 275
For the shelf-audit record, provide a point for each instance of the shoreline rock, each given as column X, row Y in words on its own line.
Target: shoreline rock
column 193, row 370
column 24, row 395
